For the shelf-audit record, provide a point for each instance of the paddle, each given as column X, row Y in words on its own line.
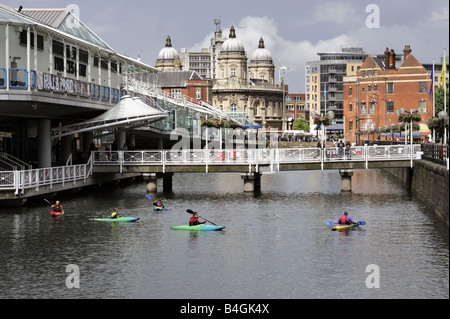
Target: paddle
column 189, row 211
column 362, row 223
column 150, row 198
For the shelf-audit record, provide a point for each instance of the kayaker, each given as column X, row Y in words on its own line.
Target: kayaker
column 115, row 214
column 57, row 208
column 345, row 220
column 194, row 220
column 158, row 203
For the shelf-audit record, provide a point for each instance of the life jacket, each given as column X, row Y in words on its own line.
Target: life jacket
column 57, row 208
column 343, row 220
column 114, row 215
column 193, row 221
column 159, row 204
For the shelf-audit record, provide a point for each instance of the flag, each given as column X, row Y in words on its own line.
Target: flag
column 432, row 80
column 444, row 69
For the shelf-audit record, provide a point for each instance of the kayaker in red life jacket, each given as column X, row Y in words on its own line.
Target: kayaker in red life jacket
column 158, row 203
column 345, row 220
column 57, row 208
column 194, row 220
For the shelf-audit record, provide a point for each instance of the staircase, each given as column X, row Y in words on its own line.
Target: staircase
column 10, row 163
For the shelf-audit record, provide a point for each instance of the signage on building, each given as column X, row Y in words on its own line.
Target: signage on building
column 59, row 84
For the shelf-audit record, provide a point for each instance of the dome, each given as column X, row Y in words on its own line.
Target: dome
column 261, row 55
column 232, row 45
column 168, row 53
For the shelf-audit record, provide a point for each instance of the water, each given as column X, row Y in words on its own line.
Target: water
column 276, row 244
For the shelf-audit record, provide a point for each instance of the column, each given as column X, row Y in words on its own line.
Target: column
column 67, row 148
column 167, row 182
column 346, row 179
column 44, row 144
column 252, row 182
column 152, row 183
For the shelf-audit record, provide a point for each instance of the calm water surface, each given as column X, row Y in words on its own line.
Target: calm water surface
column 276, row 244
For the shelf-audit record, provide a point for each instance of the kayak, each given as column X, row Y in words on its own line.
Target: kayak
column 201, row 227
column 158, row 209
column 344, row 227
column 55, row 214
column 120, row 219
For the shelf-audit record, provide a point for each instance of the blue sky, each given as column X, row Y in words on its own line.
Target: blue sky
column 294, row 31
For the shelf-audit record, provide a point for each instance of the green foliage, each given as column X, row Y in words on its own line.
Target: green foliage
column 301, row 124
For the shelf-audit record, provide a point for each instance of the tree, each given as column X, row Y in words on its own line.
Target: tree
column 439, row 99
column 301, row 124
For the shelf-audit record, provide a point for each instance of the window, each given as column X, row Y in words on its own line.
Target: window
column 350, row 107
column 59, row 64
column 198, row 94
column 390, row 107
column 422, row 87
column 390, row 88
column 372, row 108
column 422, row 105
column 58, row 48
column 350, row 92
column 40, row 40
column 233, row 108
column 363, row 109
column 176, row 92
column 233, row 72
column 350, row 126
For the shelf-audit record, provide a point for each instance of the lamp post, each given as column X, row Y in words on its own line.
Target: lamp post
column 284, row 69
column 443, row 116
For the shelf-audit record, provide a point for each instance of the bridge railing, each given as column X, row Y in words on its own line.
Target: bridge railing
column 19, row 181
column 273, row 157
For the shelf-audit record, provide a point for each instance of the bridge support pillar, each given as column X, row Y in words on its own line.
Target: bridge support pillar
column 252, row 182
column 152, row 183
column 346, row 179
column 167, row 182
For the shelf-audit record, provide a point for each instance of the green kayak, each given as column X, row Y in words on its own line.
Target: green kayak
column 120, row 219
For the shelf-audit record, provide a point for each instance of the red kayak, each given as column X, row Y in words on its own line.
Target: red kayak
column 55, row 214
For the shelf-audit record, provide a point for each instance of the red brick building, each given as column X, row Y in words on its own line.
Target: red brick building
column 381, row 88
column 295, row 107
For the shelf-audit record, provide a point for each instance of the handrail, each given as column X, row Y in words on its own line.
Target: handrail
column 256, row 157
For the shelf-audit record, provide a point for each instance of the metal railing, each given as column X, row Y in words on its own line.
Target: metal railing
column 256, row 157
column 19, row 181
column 436, row 153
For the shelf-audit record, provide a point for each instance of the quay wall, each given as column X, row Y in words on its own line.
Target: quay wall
column 429, row 182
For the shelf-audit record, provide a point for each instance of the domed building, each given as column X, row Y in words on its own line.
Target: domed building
column 168, row 58
column 248, row 89
column 261, row 68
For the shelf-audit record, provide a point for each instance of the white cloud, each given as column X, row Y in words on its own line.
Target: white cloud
column 441, row 15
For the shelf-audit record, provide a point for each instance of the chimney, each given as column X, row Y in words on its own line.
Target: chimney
column 406, row 51
column 392, row 59
column 386, row 58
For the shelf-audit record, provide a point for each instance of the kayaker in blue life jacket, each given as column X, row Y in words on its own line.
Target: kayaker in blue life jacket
column 194, row 220
column 345, row 220
column 115, row 214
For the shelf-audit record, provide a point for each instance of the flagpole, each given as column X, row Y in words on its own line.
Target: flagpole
column 434, row 103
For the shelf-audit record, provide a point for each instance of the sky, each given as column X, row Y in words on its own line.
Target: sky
column 294, row 31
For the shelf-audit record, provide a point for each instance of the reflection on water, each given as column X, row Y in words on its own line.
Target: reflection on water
column 275, row 245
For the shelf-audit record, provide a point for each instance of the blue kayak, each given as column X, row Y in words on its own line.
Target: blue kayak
column 201, row 227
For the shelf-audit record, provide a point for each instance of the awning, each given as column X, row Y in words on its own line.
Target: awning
column 128, row 113
column 424, row 129
column 335, row 127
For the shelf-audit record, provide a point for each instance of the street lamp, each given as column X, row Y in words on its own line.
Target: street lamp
column 443, row 116
column 284, row 69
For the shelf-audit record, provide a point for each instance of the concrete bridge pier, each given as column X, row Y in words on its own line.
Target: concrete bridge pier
column 346, row 179
column 152, row 183
column 252, row 182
